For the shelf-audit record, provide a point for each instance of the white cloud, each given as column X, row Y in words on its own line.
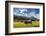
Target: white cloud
column 22, row 10
column 37, row 16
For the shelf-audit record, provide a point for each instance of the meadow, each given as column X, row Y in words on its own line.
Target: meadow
column 22, row 24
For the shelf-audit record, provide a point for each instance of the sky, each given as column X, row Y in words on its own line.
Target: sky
column 28, row 12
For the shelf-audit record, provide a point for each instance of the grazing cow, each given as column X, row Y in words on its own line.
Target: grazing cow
column 28, row 21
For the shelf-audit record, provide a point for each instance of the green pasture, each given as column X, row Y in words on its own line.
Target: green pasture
column 22, row 24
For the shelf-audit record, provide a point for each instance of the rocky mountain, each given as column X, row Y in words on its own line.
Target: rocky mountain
column 25, row 18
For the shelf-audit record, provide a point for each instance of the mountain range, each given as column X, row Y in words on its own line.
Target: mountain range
column 25, row 18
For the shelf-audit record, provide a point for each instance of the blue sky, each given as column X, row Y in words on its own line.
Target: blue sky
column 28, row 12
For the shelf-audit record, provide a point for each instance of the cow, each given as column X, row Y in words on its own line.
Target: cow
column 28, row 21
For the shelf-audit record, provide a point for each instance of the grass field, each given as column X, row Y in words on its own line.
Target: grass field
column 22, row 24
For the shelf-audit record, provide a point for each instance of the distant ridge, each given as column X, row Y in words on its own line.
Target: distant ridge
column 25, row 18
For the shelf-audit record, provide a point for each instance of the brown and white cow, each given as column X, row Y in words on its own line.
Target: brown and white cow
column 28, row 21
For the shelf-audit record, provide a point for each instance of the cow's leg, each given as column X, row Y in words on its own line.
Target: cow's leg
column 31, row 22
column 25, row 22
